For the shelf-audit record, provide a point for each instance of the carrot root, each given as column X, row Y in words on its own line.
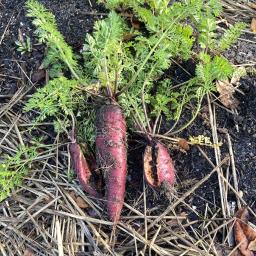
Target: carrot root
column 82, row 169
column 158, row 166
column 111, row 154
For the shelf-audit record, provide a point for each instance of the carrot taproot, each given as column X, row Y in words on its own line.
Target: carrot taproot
column 82, row 169
column 111, row 156
column 165, row 167
column 158, row 166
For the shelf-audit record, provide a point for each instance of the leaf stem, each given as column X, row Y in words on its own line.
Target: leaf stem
column 148, row 56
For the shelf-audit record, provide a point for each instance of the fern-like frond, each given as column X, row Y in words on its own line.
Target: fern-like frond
column 221, row 68
column 47, row 32
column 104, row 51
column 230, row 36
column 54, row 98
column 14, row 168
column 207, row 29
column 134, row 67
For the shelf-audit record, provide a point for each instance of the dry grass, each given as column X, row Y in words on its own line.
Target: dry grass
column 241, row 10
column 44, row 216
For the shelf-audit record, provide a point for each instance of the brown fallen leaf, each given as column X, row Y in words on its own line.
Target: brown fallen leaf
column 241, row 240
column 79, row 200
column 252, row 245
column 242, row 214
column 226, row 91
column 253, row 25
column 81, row 203
column 73, row 195
column 248, row 231
column 183, row 144
column 227, row 88
column 245, row 236
column 252, row 5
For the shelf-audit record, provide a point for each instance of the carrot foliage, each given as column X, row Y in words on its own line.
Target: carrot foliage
column 132, row 60
column 128, row 52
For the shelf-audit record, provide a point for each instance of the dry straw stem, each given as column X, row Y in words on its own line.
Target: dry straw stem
column 217, row 151
column 241, row 10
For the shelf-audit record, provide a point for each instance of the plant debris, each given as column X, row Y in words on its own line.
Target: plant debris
column 227, row 88
column 253, row 25
column 183, row 144
column 245, row 235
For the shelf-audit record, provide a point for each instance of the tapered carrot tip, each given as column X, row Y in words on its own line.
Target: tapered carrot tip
column 114, row 208
column 82, row 169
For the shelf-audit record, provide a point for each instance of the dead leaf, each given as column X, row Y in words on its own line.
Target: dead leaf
column 81, row 203
column 252, row 246
column 241, row 240
column 252, row 5
column 242, row 214
column 253, row 25
column 245, row 235
column 248, row 231
column 226, row 91
column 183, row 144
column 73, row 195
column 79, row 200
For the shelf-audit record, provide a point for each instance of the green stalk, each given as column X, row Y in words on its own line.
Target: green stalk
column 192, row 119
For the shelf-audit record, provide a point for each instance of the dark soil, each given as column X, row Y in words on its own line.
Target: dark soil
column 74, row 22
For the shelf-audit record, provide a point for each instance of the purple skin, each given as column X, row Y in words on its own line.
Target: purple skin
column 111, row 154
column 82, row 169
column 160, row 170
column 165, row 168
